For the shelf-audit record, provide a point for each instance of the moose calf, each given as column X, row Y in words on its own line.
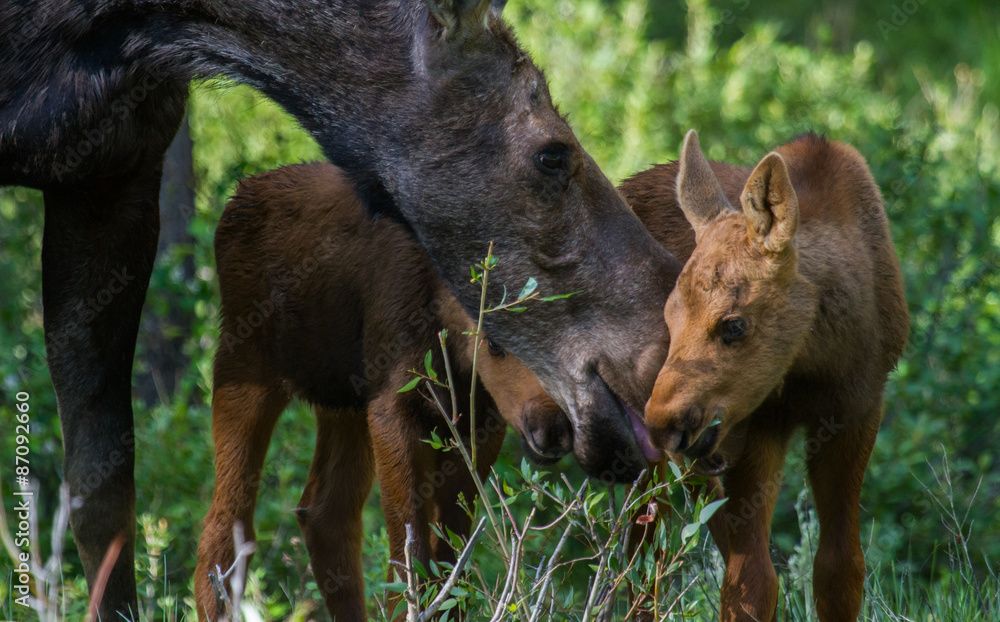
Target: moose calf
column 322, row 302
column 789, row 313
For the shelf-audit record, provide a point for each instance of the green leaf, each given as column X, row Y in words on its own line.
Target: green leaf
column 558, row 296
column 410, row 385
column 594, row 500
column 427, row 365
column 676, row 470
column 435, row 440
column 709, row 510
column 689, row 530
column 529, row 288
column 397, row 586
column 517, row 309
column 448, row 604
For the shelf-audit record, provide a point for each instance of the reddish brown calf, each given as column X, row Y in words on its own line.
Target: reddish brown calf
column 789, row 313
column 321, row 302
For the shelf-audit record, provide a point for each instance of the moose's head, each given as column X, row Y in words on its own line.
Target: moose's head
column 475, row 153
column 740, row 311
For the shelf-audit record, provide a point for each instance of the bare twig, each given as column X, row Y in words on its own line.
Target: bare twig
column 447, row 369
column 536, row 609
column 230, row 606
column 456, row 571
column 410, row 594
column 509, row 587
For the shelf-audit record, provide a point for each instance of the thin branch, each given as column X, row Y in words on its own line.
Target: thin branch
column 410, row 594
column 455, row 572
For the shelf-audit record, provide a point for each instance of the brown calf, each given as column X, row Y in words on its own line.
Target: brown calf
column 789, row 313
column 321, row 302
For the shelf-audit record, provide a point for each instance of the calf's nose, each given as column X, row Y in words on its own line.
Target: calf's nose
column 671, row 430
column 547, row 432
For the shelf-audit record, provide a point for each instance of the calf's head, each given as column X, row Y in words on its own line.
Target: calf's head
column 546, row 433
column 740, row 310
column 479, row 154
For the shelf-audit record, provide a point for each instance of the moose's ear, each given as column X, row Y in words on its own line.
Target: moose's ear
column 698, row 190
column 770, row 204
column 460, row 20
column 496, row 7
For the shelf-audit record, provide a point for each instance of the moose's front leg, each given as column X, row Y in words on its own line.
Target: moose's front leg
column 750, row 586
column 836, row 471
column 98, row 250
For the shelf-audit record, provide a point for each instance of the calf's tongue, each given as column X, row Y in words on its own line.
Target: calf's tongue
column 652, row 454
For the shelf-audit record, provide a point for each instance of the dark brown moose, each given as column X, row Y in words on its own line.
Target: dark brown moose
column 321, row 302
column 789, row 313
column 439, row 118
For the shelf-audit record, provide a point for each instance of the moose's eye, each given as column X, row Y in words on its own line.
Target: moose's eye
column 495, row 350
column 552, row 159
column 732, row 329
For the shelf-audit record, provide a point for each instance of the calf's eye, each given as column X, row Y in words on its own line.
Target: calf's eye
column 732, row 330
column 495, row 350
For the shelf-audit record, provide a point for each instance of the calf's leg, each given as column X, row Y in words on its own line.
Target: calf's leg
column 449, row 512
column 837, row 466
column 243, row 417
column 750, row 585
column 330, row 511
column 407, row 475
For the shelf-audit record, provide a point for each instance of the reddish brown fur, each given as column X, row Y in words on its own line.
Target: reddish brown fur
column 826, row 322
column 321, row 302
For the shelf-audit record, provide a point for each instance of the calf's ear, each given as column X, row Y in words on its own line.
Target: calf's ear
column 770, row 204
column 698, row 190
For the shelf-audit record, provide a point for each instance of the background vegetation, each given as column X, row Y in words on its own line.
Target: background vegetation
column 914, row 85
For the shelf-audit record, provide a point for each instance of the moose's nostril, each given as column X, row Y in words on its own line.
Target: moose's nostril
column 682, row 444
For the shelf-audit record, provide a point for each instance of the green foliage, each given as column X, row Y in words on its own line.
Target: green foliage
column 934, row 152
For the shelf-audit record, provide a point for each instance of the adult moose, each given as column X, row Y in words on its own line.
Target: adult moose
column 344, row 307
column 789, row 313
column 440, row 120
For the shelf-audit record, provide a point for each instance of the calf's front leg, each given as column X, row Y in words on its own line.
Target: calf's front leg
column 836, row 471
column 750, row 585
